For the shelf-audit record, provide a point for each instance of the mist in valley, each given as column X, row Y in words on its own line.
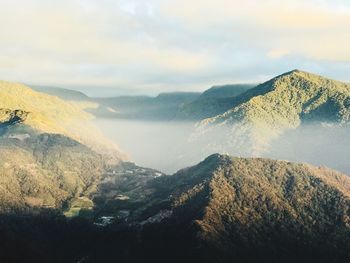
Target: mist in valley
column 169, row 146
column 318, row 144
column 156, row 144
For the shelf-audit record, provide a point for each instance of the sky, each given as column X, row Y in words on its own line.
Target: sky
column 151, row 46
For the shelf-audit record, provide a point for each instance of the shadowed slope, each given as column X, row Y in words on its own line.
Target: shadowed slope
column 254, row 210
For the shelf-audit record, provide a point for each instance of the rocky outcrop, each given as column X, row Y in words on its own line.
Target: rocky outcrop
column 9, row 118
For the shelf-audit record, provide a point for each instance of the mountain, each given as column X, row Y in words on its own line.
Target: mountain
column 43, row 112
column 212, row 102
column 286, row 102
column 229, row 209
column 224, row 209
column 49, row 114
column 162, row 107
column 165, row 106
column 226, row 91
column 51, row 154
column 60, row 191
column 46, row 171
column 65, row 94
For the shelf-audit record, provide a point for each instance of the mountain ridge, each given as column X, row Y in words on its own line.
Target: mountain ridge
column 50, row 114
column 223, row 209
column 226, row 207
column 283, row 103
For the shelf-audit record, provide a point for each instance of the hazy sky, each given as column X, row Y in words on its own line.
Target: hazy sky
column 162, row 45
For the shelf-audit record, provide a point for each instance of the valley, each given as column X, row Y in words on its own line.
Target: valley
column 177, row 131
column 147, row 177
column 276, row 119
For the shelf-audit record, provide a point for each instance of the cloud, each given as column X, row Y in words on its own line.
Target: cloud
column 314, row 29
column 170, row 44
column 278, row 53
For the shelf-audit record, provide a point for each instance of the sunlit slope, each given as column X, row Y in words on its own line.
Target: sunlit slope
column 65, row 94
column 49, row 114
column 283, row 103
column 51, row 154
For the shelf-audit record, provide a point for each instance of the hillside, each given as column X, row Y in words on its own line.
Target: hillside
column 51, row 153
column 162, row 107
column 47, row 113
column 278, row 105
column 226, row 91
column 45, row 171
column 165, row 106
column 65, row 94
column 212, row 102
column 50, row 114
column 225, row 209
column 252, row 210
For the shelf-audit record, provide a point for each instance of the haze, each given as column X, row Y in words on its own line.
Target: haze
column 170, row 146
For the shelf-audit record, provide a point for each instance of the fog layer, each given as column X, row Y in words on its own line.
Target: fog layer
column 170, row 146
column 324, row 145
column 159, row 145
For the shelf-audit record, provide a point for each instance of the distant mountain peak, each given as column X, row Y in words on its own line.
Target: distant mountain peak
column 285, row 102
column 294, row 71
column 312, row 77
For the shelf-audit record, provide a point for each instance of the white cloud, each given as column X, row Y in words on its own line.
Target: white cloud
column 278, row 53
column 170, row 43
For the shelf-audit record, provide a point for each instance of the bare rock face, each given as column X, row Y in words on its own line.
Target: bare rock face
column 11, row 117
